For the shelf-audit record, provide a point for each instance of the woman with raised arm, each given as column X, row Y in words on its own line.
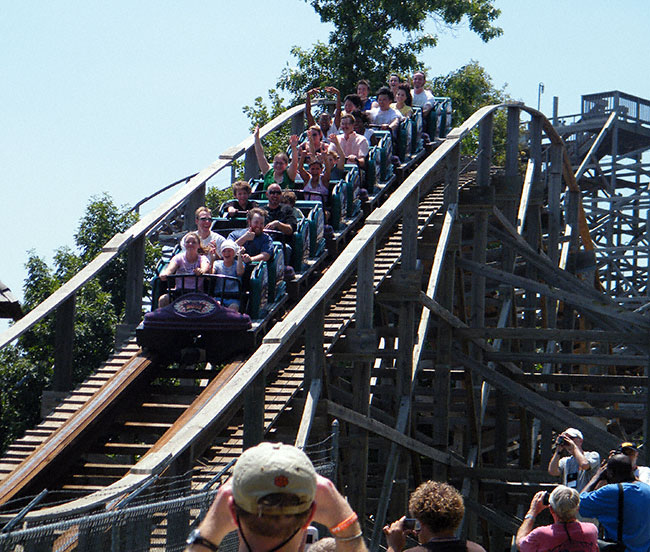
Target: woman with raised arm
column 283, row 172
column 325, row 119
column 313, row 146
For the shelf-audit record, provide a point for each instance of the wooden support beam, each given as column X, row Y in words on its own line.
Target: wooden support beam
column 64, row 337
column 484, row 160
column 565, row 296
column 552, row 412
column 254, row 411
column 308, row 413
column 358, row 456
column 134, row 281
column 251, row 167
column 194, row 201
column 382, row 430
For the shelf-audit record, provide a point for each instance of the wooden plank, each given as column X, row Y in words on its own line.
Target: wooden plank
column 308, row 413
column 582, row 379
column 559, row 334
column 555, row 414
column 81, row 422
column 562, row 295
column 570, row 358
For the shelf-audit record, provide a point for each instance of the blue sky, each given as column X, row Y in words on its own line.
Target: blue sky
column 125, row 97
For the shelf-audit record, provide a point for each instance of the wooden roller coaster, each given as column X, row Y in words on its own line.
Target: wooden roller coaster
column 459, row 328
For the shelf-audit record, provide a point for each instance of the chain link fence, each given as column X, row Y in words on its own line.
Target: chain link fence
column 158, row 518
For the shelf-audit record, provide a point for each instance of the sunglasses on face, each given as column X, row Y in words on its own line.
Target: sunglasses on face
column 203, row 219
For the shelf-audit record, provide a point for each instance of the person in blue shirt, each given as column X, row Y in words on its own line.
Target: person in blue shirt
column 257, row 245
column 599, row 499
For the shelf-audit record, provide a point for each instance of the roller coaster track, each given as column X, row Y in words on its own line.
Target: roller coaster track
column 399, row 382
column 52, row 447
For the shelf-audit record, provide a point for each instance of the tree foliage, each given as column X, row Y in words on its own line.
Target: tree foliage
column 469, row 88
column 373, row 39
column 26, row 368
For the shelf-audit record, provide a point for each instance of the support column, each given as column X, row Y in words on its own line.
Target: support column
column 314, row 347
column 196, row 200
column 134, row 281
column 64, row 335
column 251, row 168
column 254, row 412
column 361, row 379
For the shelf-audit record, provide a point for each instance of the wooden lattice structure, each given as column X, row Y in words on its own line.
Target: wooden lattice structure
column 608, row 143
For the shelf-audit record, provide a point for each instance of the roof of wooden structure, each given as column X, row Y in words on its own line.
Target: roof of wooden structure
column 9, row 305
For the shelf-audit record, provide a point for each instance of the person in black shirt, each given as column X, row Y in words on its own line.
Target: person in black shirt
column 242, row 191
column 280, row 217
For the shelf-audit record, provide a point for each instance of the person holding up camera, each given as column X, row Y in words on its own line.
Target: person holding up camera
column 566, row 532
column 437, row 509
column 570, row 462
column 621, row 504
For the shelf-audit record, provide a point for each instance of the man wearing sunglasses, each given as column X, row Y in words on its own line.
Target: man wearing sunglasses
column 210, row 241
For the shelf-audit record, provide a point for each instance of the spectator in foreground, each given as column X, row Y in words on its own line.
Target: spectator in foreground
column 242, row 191
column 270, row 500
column 566, row 533
column 578, row 466
column 642, row 473
column 421, row 97
column 617, row 476
column 257, row 245
column 282, row 172
column 439, row 508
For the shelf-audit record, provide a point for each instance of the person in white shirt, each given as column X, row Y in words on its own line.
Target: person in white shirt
column 350, row 147
column 385, row 116
column 577, row 466
column 421, row 97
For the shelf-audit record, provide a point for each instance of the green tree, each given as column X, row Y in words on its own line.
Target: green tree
column 471, row 88
column 372, row 39
column 259, row 114
column 101, row 221
column 26, row 368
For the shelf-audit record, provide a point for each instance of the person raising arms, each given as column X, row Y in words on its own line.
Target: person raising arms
column 283, row 172
column 325, row 122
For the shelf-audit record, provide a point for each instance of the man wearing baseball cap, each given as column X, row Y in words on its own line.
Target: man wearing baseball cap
column 270, row 500
column 576, row 467
column 642, row 473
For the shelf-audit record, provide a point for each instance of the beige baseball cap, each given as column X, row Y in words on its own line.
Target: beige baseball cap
column 272, row 468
